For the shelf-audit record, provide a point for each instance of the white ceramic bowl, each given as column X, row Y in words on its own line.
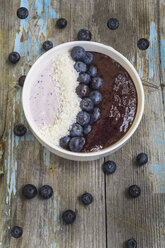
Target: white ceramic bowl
column 89, row 46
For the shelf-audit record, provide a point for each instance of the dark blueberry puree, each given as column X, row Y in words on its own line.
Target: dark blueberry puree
column 118, row 107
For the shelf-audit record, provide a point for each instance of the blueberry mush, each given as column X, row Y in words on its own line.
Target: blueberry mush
column 61, row 23
column 113, row 23
column 14, row 57
column 22, row 13
column 21, row 80
column 109, row 167
column 134, row 191
column 69, row 216
column 20, row 130
column 131, row 243
column 143, row 44
column 142, row 158
column 84, row 34
column 29, row 191
column 87, row 199
column 46, row 192
column 16, row 232
column 47, row 45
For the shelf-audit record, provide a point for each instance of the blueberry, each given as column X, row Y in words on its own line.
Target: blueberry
column 109, row 167
column 113, row 23
column 87, row 104
column 87, row 199
column 61, row 23
column 87, row 129
column 83, row 118
column 134, row 191
column 20, row 130
column 68, row 216
column 16, row 232
column 80, row 66
column 95, row 116
column 29, row 191
column 97, row 83
column 14, row 57
column 76, row 144
column 76, row 130
column 22, row 13
column 96, row 97
column 92, row 71
column 82, row 90
column 64, row 142
column 143, row 44
column 47, row 45
column 89, row 58
column 142, row 158
column 84, row 34
column 46, row 192
column 131, row 243
column 78, row 53
column 84, row 78
column 21, row 80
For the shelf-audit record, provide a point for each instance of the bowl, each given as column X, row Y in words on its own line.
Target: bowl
column 89, row 46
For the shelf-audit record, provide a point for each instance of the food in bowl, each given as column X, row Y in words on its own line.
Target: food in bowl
column 83, row 101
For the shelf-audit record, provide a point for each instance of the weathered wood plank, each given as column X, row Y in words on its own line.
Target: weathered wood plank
column 140, row 218
column 26, row 161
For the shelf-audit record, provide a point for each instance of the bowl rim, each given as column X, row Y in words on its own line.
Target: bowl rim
column 102, row 152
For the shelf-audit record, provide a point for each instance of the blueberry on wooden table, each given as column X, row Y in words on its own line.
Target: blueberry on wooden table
column 16, row 232
column 87, row 199
column 84, row 34
column 143, row 44
column 142, row 158
column 21, row 80
column 89, row 58
column 29, row 191
column 64, row 142
column 20, row 130
column 69, row 216
column 22, row 13
column 61, row 23
column 109, row 167
column 82, row 90
column 134, row 191
column 46, row 192
column 131, row 243
column 14, row 57
column 87, row 104
column 113, row 23
column 78, row 53
column 47, row 45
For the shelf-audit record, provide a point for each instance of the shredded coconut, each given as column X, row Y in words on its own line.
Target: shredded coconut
column 65, row 79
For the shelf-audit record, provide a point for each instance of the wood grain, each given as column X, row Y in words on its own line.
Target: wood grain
column 113, row 217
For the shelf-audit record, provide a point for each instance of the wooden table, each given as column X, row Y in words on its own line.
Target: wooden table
column 112, row 218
